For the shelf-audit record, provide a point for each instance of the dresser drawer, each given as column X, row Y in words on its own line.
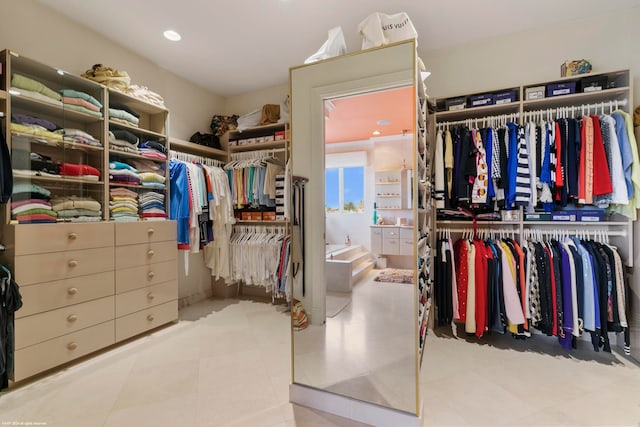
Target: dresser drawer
column 44, row 238
column 61, row 293
column 407, row 233
column 390, row 246
column 406, row 247
column 140, row 299
column 49, row 354
column 128, row 279
column 30, row 269
column 51, row 324
column 390, row 232
column 142, row 321
column 147, row 253
column 131, row 233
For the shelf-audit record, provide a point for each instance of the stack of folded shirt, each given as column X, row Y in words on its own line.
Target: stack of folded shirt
column 22, row 123
column 152, row 205
column 77, row 209
column 84, row 172
column 123, row 140
column 153, row 150
column 123, row 205
column 80, row 101
column 35, row 165
column 145, row 94
column 122, row 173
column 30, row 204
column 144, row 165
column 120, row 113
column 78, row 136
column 152, row 180
column 33, row 89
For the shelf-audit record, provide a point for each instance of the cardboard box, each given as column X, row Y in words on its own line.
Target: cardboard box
column 534, row 92
column 269, row 138
column 558, row 89
column 453, row 104
column 481, row 100
column 279, row 135
column 590, row 215
column 246, row 216
column 256, row 216
column 260, row 140
column 280, row 209
column 268, row 216
column 505, row 97
column 280, row 218
column 564, row 216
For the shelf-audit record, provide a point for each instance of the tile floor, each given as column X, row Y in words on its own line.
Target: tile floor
column 226, row 363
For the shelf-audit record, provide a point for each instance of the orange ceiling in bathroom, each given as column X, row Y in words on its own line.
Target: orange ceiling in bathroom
column 355, row 118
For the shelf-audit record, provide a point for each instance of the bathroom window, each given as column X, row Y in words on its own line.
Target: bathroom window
column 344, row 189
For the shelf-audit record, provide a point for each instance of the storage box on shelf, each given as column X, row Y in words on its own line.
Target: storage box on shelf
column 257, row 138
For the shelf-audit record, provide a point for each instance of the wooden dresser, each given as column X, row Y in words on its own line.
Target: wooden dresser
column 87, row 286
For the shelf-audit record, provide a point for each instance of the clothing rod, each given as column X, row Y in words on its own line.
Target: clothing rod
column 507, row 116
column 580, row 232
column 259, row 154
column 187, row 157
column 582, row 109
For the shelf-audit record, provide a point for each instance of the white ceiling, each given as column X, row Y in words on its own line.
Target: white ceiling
column 233, row 47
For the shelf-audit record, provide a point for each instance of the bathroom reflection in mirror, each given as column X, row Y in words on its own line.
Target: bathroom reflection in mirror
column 366, row 348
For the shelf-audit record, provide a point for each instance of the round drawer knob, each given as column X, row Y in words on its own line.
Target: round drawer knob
column 72, row 291
column 150, row 231
column 73, row 263
column 150, row 318
column 72, row 346
column 150, row 296
column 151, row 275
column 73, row 236
column 150, row 252
column 72, row 318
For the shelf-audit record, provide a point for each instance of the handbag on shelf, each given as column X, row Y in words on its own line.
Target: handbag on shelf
column 206, row 139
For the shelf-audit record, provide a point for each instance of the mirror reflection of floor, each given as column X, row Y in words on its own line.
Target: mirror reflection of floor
column 366, row 351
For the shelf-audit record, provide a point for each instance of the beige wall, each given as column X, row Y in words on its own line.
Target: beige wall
column 535, row 56
column 247, row 102
column 46, row 36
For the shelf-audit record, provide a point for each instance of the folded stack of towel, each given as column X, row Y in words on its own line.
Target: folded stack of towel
column 123, row 205
column 23, row 123
column 82, row 102
column 152, row 205
column 30, row 204
column 77, row 209
column 145, row 94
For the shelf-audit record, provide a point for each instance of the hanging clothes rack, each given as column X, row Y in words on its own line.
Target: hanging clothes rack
column 580, row 110
column 496, row 120
column 193, row 158
column 257, row 155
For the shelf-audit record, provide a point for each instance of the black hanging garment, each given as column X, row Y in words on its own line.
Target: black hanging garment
column 6, row 170
column 10, row 302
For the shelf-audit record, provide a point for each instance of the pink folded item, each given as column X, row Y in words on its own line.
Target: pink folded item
column 80, row 102
column 154, row 155
column 36, row 217
column 28, row 202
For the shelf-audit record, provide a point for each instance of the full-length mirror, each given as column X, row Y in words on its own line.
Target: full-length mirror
column 356, row 279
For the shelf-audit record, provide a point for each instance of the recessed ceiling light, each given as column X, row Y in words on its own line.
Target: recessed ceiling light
column 376, row 132
column 172, row 35
column 383, row 122
column 60, row 72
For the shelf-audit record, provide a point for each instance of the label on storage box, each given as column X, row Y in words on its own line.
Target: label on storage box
column 562, row 91
column 503, row 101
column 592, row 88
